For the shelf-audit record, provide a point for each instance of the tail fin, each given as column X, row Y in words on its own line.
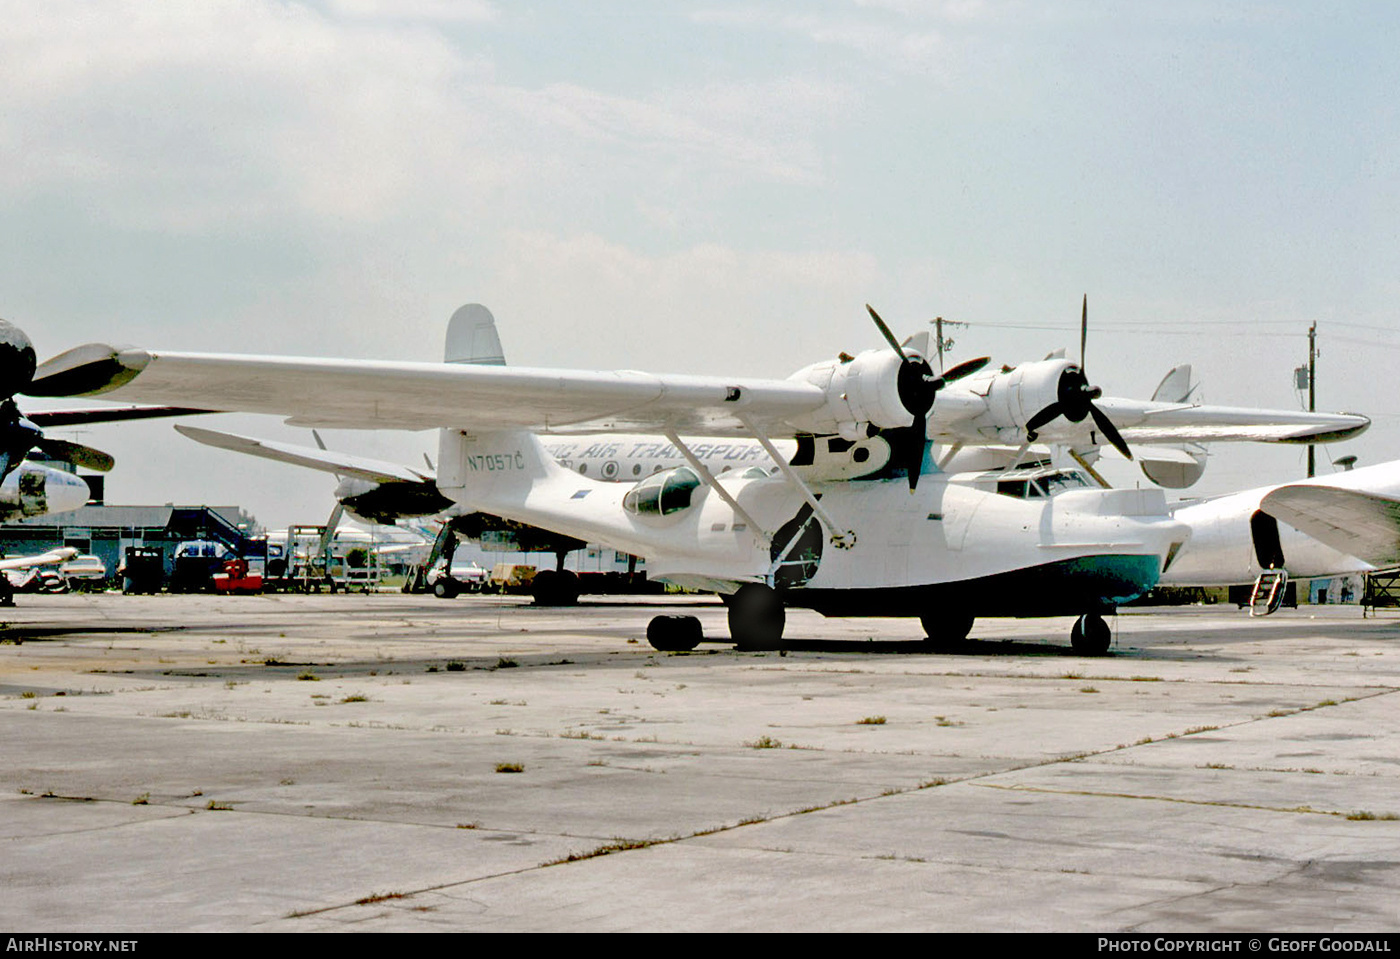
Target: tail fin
column 1176, row 386
column 472, row 337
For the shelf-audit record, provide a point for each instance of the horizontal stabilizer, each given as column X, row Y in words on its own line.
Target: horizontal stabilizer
column 341, row 464
column 1364, row 525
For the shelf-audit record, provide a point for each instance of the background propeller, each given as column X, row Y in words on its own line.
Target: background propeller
column 918, row 386
column 1074, row 397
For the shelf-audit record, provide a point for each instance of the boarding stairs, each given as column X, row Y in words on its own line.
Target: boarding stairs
column 1267, row 595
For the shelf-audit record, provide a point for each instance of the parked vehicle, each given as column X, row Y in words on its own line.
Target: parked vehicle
column 196, row 562
column 85, row 572
column 142, row 570
column 463, row 577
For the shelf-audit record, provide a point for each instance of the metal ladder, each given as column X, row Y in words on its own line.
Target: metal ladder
column 1268, row 591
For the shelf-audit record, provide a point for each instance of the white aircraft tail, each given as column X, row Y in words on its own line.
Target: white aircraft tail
column 496, row 470
column 1176, row 386
column 472, row 338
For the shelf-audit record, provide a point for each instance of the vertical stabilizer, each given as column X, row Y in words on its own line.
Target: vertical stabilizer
column 472, row 338
column 1176, row 386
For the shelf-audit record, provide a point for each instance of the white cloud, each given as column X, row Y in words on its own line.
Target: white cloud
column 708, row 307
column 444, row 11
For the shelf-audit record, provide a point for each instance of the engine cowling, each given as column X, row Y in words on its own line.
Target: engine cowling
column 389, row 502
column 860, row 392
column 1016, row 396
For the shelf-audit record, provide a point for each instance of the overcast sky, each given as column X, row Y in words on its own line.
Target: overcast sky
column 704, row 187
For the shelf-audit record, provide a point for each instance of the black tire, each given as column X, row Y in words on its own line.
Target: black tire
column 756, row 617
column 1090, row 635
column 555, row 588
column 944, row 630
column 445, row 588
column 674, row 634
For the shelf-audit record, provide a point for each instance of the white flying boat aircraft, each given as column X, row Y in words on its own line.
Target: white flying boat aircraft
column 854, row 533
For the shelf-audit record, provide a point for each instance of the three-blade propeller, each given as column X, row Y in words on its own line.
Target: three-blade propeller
column 918, row 387
column 1074, row 397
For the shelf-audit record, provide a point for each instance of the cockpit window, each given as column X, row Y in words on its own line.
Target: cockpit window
column 662, row 494
column 1043, row 485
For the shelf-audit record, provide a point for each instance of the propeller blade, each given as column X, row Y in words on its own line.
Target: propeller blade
column 1083, row 330
column 885, row 332
column 77, row 454
column 966, row 369
column 1040, row 419
column 1109, row 431
column 918, row 445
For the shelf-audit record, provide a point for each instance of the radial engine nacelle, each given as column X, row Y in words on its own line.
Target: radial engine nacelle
column 1008, row 400
column 390, row 501
column 860, row 391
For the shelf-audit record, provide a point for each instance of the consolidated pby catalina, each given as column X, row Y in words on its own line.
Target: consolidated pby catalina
column 859, row 521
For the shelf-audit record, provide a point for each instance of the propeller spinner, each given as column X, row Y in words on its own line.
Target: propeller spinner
column 918, row 387
column 1074, row 397
column 19, row 434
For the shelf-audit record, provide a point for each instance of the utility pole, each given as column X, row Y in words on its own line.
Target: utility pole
column 1307, row 376
column 941, row 345
column 1312, row 392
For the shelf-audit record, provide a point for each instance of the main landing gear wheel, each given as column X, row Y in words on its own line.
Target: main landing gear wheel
column 756, row 617
column 555, row 588
column 1090, row 635
column 674, row 634
column 946, row 629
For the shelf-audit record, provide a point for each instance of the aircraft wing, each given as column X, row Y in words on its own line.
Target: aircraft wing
column 106, row 415
column 341, row 464
column 1360, row 524
column 376, row 394
column 1155, row 422
column 52, row 558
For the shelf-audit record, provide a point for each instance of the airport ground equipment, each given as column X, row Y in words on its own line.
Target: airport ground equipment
column 142, row 570
column 308, row 560
column 1382, row 590
column 236, row 577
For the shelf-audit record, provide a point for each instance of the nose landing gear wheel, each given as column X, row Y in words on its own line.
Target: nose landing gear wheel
column 1090, row 635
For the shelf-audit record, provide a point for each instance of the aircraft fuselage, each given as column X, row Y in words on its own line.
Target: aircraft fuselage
column 943, row 544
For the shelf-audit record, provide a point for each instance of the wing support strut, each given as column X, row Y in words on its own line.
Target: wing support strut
column 840, row 539
column 1074, row 454
column 709, row 480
